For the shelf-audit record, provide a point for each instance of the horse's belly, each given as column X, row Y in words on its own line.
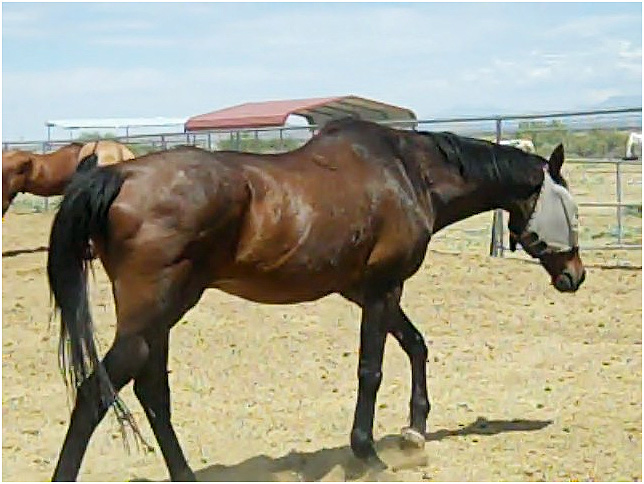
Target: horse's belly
column 304, row 272
column 267, row 291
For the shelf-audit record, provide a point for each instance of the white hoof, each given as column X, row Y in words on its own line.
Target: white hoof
column 413, row 436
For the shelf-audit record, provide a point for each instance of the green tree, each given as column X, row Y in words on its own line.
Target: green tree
column 248, row 143
column 93, row 136
column 591, row 143
column 138, row 149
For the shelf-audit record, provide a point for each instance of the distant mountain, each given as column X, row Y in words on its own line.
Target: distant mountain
column 629, row 121
column 465, row 112
column 616, row 102
column 613, row 102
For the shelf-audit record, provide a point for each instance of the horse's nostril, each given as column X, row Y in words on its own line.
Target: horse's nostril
column 564, row 282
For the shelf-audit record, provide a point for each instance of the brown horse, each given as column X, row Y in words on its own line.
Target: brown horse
column 48, row 175
column 351, row 212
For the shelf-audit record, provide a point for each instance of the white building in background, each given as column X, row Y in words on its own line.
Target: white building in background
column 125, row 126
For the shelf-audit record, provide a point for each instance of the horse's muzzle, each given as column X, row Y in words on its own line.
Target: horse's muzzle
column 565, row 282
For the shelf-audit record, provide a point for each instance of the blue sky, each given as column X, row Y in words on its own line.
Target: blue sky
column 181, row 59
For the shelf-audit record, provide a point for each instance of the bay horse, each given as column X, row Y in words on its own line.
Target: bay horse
column 48, row 175
column 350, row 212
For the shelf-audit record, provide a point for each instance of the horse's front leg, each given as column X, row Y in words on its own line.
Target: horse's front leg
column 373, row 332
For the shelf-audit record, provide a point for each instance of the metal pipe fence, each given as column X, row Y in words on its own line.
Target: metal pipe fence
column 596, row 168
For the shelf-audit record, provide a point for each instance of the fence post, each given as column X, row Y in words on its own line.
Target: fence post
column 45, row 148
column 618, row 193
column 496, row 240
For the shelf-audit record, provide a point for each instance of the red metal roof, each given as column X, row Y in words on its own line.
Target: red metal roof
column 317, row 111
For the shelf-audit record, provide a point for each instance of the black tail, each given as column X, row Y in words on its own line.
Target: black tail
column 87, row 164
column 83, row 214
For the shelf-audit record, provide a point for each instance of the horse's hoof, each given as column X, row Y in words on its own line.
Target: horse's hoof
column 413, row 437
column 185, row 476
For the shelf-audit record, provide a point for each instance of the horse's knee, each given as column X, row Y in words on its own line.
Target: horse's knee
column 369, row 379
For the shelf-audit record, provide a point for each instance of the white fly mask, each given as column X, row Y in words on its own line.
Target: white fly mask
column 553, row 226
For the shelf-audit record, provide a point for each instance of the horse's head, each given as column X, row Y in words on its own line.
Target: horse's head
column 546, row 227
column 17, row 167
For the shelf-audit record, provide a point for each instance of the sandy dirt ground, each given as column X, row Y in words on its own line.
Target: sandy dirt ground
column 526, row 383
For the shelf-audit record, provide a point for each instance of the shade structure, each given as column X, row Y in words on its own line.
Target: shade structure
column 317, row 111
column 105, row 123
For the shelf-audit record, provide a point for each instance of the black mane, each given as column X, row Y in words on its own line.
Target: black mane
column 486, row 161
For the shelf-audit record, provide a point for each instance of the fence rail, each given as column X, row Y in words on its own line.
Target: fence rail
column 539, row 127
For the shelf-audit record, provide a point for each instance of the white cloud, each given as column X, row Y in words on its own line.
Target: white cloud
column 117, row 26
column 631, row 66
column 591, row 25
column 133, row 41
column 405, row 54
column 600, row 95
column 68, row 83
column 540, row 73
column 126, row 91
column 23, row 21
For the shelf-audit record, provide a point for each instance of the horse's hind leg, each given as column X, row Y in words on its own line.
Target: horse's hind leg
column 124, row 359
column 413, row 344
column 152, row 389
column 150, row 302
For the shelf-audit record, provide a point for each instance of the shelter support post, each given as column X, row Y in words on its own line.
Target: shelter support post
column 618, row 196
column 496, row 240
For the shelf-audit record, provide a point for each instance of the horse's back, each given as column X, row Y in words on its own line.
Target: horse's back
column 279, row 228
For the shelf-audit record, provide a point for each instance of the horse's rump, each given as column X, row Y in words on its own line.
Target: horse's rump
column 108, row 152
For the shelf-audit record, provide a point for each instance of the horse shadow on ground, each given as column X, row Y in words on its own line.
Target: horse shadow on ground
column 339, row 464
column 13, row 253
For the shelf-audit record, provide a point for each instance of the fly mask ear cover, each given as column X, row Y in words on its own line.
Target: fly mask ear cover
column 553, row 226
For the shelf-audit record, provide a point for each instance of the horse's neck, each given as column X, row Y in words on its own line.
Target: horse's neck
column 452, row 203
column 455, row 189
column 51, row 172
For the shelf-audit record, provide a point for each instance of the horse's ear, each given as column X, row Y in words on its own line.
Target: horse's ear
column 555, row 161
